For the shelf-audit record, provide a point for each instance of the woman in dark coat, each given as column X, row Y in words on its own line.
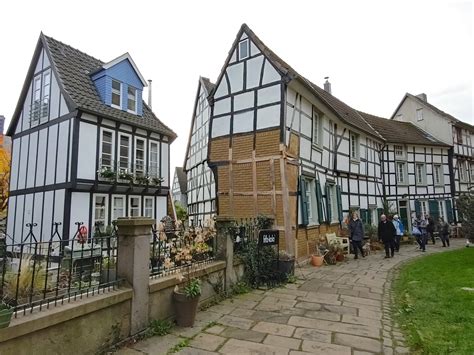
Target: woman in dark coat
column 357, row 234
column 386, row 232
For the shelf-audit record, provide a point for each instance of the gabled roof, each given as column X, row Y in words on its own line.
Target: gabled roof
column 401, row 132
column 132, row 63
column 346, row 113
column 72, row 69
column 454, row 120
column 182, row 179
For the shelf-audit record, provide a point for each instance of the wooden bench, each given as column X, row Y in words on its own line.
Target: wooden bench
column 344, row 241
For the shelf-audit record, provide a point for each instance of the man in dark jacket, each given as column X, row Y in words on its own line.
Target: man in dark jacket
column 356, row 229
column 387, row 233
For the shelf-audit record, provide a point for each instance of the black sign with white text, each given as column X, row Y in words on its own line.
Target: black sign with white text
column 268, row 237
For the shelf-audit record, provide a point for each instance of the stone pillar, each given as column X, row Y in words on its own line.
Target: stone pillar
column 226, row 248
column 134, row 235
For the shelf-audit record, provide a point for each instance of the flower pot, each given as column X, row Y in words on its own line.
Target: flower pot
column 317, row 260
column 5, row 317
column 286, row 266
column 340, row 257
column 185, row 309
column 405, row 238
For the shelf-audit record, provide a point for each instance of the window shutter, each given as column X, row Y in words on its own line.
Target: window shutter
column 369, row 216
column 304, row 202
column 319, row 201
column 339, row 202
column 379, row 212
column 417, row 207
column 434, row 209
column 328, row 204
column 449, row 211
column 363, row 215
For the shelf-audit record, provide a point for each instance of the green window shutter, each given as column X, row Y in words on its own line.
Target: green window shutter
column 363, row 215
column 369, row 216
column 434, row 209
column 417, row 207
column 339, row 202
column 304, row 202
column 449, row 211
column 319, row 201
column 379, row 213
column 328, row 204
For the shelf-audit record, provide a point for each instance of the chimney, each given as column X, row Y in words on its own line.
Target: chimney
column 327, row 85
column 423, row 97
column 149, row 93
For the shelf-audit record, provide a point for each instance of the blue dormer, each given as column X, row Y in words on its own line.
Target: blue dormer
column 120, row 84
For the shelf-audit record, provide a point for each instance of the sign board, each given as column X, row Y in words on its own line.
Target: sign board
column 268, row 237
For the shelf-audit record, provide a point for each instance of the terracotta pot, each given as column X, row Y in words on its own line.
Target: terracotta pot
column 317, row 260
column 340, row 257
column 185, row 309
column 5, row 317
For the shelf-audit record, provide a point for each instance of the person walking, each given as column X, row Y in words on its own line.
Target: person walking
column 386, row 233
column 399, row 228
column 417, row 232
column 444, row 231
column 356, row 229
column 430, row 228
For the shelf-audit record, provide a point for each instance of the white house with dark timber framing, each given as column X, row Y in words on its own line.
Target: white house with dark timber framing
column 178, row 190
column 86, row 148
column 415, row 170
column 448, row 129
column 201, row 189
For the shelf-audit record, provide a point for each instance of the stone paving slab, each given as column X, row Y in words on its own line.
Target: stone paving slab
column 342, row 309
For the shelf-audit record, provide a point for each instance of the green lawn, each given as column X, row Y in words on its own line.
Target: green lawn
column 435, row 314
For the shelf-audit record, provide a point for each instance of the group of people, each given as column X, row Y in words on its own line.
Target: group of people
column 391, row 230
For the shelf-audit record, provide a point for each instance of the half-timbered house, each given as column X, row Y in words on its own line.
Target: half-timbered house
column 456, row 133
column 86, row 148
column 178, row 189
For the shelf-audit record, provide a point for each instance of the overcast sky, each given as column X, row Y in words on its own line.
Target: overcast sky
column 373, row 51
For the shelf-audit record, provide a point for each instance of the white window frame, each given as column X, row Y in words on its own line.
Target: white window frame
column 124, row 207
column 462, row 171
column 442, row 210
column 245, row 42
column 317, row 122
column 45, row 94
column 144, row 156
column 106, row 210
column 334, row 206
column 420, row 173
column 119, row 153
column 35, row 109
column 134, row 98
column 102, row 130
column 154, row 172
column 424, row 208
column 152, row 199
column 419, row 114
column 438, row 174
column 130, row 205
column 354, row 146
column 401, row 175
column 399, row 151
column 114, row 92
column 312, row 206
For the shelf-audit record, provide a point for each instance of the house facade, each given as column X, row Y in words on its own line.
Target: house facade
column 86, row 148
column 441, row 125
column 178, row 190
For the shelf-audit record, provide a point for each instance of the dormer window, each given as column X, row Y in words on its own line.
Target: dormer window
column 243, row 49
column 132, row 99
column 116, row 93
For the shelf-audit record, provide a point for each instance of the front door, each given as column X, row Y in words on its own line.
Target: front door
column 403, row 208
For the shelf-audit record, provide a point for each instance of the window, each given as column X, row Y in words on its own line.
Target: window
column 45, row 94
column 134, row 208
column 420, row 174
column 441, row 211
column 459, row 135
column 100, row 211
column 116, row 93
column 354, row 145
column 139, row 157
column 124, row 152
column 462, row 171
column 316, row 128
column 399, row 151
column 107, row 149
column 149, row 210
column 424, row 208
column 419, row 114
column 36, row 104
column 154, row 170
column 40, row 100
column 118, row 207
column 438, row 174
column 309, row 201
column 472, row 172
column 132, row 99
column 308, row 191
column 401, row 173
column 334, row 203
column 244, row 49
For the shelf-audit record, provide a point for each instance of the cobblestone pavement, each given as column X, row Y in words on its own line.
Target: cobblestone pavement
column 341, row 309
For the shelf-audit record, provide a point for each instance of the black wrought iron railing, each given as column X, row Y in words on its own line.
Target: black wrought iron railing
column 37, row 274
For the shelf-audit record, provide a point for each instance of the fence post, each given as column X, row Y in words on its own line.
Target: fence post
column 133, row 257
column 226, row 250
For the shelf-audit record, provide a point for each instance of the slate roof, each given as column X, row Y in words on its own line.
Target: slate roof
column 401, row 132
column 341, row 109
column 74, row 68
column 207, row 84
column 182, row 179
column 456, row 122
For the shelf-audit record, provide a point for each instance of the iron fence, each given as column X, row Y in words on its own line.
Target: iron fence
column 37, row 274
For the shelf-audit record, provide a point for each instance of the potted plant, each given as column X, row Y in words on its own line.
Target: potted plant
column 6, row 311
column 186, row 297
column 286, row 263
column 107, row 173
column 317, row 259
column 109, row 270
